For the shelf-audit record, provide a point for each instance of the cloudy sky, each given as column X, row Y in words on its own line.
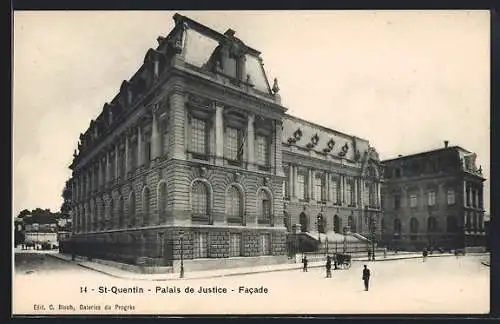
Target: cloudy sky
column 406, row 81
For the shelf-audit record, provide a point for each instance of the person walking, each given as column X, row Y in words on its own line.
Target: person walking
column 304, row 261
column 366, row 277
column 328, row 267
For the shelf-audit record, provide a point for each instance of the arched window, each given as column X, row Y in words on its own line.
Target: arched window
column 264, row 206
column 131, row 209
column 451, row 224
column 199, row 200
column 397, row 226
column 120, row 212
column 162, row 202
column 413, row 228
column 431, row 224
column 145, row 206
column 336, row 224
column 304, row 222
column 234, row 205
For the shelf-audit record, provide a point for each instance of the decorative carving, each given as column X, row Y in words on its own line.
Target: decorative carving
column 203, row 172
column 249, row 79
column 275, row 88
column 237, row 177
column 266, row 181
column 314, row 141
column 297, row 135
column 330, row 144
column 344, row 150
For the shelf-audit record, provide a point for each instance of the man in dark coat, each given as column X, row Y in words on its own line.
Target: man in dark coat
column 366, row 277
column 304, row 261
column 328, row 267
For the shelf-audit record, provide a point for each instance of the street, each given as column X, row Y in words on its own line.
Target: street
column 45, row 285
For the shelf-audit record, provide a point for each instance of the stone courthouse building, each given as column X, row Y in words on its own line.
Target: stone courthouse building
column 196, row 157
column 433, row 199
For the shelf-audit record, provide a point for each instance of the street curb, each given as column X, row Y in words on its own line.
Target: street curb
column 299, row 267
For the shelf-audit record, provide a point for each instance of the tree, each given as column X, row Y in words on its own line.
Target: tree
column 23, row 213
column 66, row 205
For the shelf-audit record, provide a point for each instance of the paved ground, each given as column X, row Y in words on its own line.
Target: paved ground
column 439, row 285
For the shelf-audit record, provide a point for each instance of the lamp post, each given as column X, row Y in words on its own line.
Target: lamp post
column 182, row 253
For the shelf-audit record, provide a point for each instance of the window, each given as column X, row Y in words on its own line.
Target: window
column 451, row 196
column 234, row 205
column 198, row 136
column 318, row 188
column 265, row 244
column 121, row 163
column 264, row 206
column 301, row 186
column 235, row 245
column 431, row 198
column 232, row 144
column 371, row 195
column 286, row 184
column 413, row 200
column 199, row 199
column 261, row 152
column 351, row 223
column 467, row 192
column 397, row 201
column 397, row 226
column 349, row 193
column 200, row 244
column 336, row 224
column 413, row 229
column 131, row 209
column 335, row 191
column 145, row 206
column 431, row 224
column 474, row 198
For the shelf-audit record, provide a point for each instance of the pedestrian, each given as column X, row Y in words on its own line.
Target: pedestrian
column 385, row 253
column 304, row 261
column 366, row 277
column 424, row 255
column 328, row 267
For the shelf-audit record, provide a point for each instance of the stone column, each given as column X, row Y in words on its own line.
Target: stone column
column 355, row 191
column 127, row 154
column 251, row 142
column 310, row 184
column 117, row 153
column 342, row 187
column 155, row 136
column 290, row 181
column 219, row 134
column 276, row 149
column 108, row 168
column 177, row 125
column 377, row 198
column 140, row 157
column 294, row 181
column 465, row 194
column 327, row 186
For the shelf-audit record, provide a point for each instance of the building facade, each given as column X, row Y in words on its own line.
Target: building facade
column 433, row 199
column 191, row 159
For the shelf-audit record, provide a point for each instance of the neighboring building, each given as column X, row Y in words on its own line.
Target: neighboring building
column 192, row 156
column 433, row 199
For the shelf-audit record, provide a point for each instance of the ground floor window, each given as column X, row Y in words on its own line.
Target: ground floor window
column 200, row 244
column 235, row 244
column 265, row 244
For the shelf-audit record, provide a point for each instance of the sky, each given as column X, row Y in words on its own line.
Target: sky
column 404, row 80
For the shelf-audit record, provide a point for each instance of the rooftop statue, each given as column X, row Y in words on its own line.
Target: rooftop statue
column 276, row 88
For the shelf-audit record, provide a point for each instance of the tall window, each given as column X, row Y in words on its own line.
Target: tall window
column 262, row 151
column 265, row 244
column 318, row 188
column 121, row 162
column 199, row 201
column 264, row 206
column 147, row 149
column 413, row 228
column 198, row 136
column 431, row 198
column 200, row 244
column 232, row 144
column 301, row 186
column 351, row 222
column 397, row 201
column 235, row 244
column 349, row 193
column 413, row 200
column 450, row 196
column 131, row 209
column 234, row 204
column 335, row 191
column 397, row 226
column 162, row 202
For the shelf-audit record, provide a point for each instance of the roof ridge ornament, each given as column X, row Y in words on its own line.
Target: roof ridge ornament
column 275, row 88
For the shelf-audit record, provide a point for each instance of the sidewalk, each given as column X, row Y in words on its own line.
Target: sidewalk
column 119, row 273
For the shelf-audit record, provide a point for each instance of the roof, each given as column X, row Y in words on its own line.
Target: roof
column 431, row 152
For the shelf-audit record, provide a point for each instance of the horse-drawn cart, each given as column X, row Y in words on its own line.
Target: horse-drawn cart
column 342, row 261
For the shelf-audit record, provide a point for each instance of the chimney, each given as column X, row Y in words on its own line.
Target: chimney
column 445, row 144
